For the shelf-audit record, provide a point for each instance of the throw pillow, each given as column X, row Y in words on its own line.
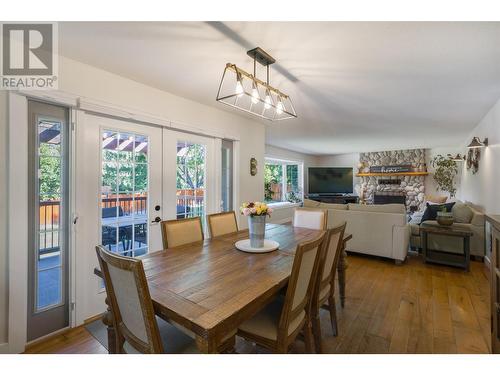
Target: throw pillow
column 462, row 213
column 432, row 210
column 440, row 199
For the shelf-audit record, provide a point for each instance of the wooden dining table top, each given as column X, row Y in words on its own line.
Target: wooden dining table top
column 210, row 288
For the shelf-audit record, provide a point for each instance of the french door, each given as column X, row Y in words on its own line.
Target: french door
column 118, row 198
column 130, row 177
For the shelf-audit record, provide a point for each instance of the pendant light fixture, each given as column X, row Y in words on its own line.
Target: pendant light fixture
column 246, row 92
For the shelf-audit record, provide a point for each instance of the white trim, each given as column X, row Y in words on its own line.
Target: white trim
column 236, row 180
column 108, row 109
column 17, row 213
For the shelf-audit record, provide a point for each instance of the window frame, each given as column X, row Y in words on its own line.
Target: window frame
column 284, row 163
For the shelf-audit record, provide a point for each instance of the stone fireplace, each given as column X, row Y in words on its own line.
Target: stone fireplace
column 400, row 188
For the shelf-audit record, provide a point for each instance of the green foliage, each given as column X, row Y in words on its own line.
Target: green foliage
column 191, row 167
column 50, row 172
column 444, row 174
column 272, row 175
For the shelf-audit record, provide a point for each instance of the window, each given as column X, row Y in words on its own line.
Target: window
column 283, row 181
column 124, row 193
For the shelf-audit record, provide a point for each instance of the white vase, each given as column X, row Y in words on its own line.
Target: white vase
column 257, row 230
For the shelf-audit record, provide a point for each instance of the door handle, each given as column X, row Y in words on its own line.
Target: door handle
column 156, row 220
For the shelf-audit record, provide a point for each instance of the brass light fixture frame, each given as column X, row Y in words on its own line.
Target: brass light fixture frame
column 266, row 60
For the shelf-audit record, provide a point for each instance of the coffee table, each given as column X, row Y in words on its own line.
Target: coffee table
column 445, row 257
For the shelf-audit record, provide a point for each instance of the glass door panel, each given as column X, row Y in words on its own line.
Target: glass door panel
column 124, row 192
column 48, row 276
column 191, row 177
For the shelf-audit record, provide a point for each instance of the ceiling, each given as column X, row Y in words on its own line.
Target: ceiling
column 356, row 86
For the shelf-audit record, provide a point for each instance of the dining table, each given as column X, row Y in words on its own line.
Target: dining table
column 209, row 287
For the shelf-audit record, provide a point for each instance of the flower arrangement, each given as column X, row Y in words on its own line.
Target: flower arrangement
column 255, row 209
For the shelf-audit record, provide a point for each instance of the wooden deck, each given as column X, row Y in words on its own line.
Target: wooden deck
column 413, row 308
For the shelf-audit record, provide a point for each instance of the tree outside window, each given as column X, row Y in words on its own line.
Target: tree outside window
column 282, row 181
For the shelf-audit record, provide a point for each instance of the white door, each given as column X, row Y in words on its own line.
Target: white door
column 189, row 176
column 118, row 198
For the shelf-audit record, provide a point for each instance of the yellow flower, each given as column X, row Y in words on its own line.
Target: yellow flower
column 259, row 211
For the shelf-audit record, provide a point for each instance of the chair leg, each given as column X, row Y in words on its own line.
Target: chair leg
column 316, row 326
column 333, row 314
column 308, row 337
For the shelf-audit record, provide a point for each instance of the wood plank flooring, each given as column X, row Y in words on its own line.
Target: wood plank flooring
column 412, row 308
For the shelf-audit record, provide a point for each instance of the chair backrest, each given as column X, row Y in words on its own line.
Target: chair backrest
column 310, row 218
column 180, row 232
column 330, row 255
column 300, row 285
column 222, row 223
column 130, row 301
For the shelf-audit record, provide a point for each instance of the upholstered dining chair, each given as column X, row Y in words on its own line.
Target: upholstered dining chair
column 222, row 223
column 324, row 290
column 277, row 325
column 181, row 231
column 310, row 218
column 134, row 318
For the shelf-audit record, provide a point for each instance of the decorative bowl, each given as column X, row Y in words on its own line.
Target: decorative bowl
column 444, row 218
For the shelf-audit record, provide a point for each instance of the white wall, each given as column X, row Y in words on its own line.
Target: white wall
column 482, row 188
column 88, row 82
column 3, row 220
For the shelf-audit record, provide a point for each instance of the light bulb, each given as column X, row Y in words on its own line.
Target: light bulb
column 267, row 101
column 279, row 106
column 239, row 88
column 255, row 94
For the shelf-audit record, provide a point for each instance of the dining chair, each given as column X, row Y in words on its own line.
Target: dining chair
column 181, row 231
column 222, row 223
column 132, row 309
column 310, row 218
column 277, row 325
column 324, row 290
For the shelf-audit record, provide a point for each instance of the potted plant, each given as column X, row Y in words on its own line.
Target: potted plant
column 445, row 171
column 444, row 217
column 256, row 213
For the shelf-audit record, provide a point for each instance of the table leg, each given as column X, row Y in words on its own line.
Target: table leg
column 206, row 345
column 467, row 253
column 107, row 319
column 341, row 271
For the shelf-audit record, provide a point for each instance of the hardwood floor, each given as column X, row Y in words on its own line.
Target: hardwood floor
column 412, row 308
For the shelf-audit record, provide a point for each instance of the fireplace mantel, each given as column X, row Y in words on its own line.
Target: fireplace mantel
column 392, row 174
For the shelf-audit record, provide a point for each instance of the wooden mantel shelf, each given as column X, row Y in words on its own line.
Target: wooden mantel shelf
column 392, row 174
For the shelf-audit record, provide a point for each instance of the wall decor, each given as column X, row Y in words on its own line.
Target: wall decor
column 473, row 157
column 390, row 168
column 253, row 166
column 474, row 153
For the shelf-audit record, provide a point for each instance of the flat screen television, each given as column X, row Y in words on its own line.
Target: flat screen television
column 330, row 180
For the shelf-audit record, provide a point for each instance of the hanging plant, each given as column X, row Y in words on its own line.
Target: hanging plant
column 445, row 171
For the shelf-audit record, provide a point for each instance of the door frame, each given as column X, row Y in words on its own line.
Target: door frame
column 17, row 215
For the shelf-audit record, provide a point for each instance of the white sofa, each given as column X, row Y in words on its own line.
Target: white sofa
column 380, row 230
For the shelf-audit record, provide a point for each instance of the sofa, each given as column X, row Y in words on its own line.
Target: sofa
column 470, row 218
column 379, row 229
